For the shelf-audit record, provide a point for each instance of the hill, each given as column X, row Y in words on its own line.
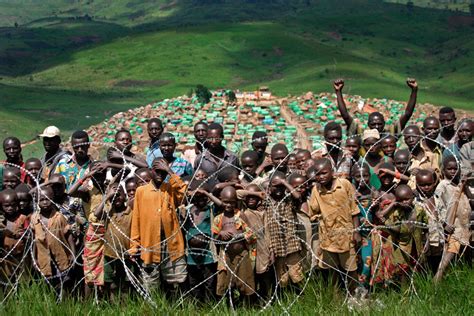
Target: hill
column 75, row 68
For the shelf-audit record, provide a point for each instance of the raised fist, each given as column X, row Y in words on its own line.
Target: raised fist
column 338, row 84
column 412, row 83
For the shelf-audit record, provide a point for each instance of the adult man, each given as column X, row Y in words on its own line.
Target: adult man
column 155, row 128
column 53, row 150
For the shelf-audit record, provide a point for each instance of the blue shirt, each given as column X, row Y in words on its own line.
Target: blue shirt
column 153, row 152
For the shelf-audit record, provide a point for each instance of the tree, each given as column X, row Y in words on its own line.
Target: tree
column 231, row 98
column 203, row 94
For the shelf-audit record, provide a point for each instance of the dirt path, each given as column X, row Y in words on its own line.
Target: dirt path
column 303, row 140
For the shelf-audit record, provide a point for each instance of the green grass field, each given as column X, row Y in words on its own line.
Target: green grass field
column 452, row 297
column 75, row 73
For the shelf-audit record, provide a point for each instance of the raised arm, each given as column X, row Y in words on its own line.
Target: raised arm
column 411, row 103
column 341, row 104
column 211, row 196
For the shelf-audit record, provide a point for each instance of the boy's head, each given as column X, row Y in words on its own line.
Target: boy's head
column 12, row 148
column 198, row 199
column 401, row 159
column 360, row 174
column 143, row 176
column 308, row 164
column 249, row 162
column 291, row 162
column 228, row 174
column 154, row 128
column 200, row 174
column 253, row 201
column 465, row 130
column 123, row 140
column 299, row 182
column 371, row 142
column 131, row 187
column 277, row 189
column 215, row 135
column 404, row 195
column 426, row 182
column 46, row 199
column 386, row 179
column 200, row 131
column 324, row 171
column 376, row 121
column 25, row 199
column 451, row 168
column 167, row 145
column 389, row 145
column 9, row 202
column 279, row 156
column 157, row 174
column 431, row 127
column 301, row 157
column 11, row 177
column 228, row 197
column 34, row 166
column 80, row 144
column 353, row 145
column 119, row 199
column 333, row 136
column 412, row 136
column 260, row 143
column 51, row 139
column 447, row 118
column 58, row 184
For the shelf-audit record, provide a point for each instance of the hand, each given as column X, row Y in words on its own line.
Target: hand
column 278, row 181
column 225, row 235
column 338, row 85
column 449, row 229
column 382, row 171
column 162, row 165
column 357, row 238
column 267, row 162
column 412, row 84
column 272, row 259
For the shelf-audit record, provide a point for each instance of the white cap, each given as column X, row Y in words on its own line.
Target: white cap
column 50, row 131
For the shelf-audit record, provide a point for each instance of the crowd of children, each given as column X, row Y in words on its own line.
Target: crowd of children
column 388, row 202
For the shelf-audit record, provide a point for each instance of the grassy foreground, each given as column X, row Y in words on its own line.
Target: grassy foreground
column 452, row 297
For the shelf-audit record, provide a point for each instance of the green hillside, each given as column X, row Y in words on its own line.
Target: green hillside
column 74, row 70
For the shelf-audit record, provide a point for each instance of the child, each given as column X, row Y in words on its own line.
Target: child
column 352, row 148
column 389, row 145
column 249, row 162
column 302, row 156
column 14, row 238
column 34, row 167
column 201, row 254
column 235, row 266
column 420, row 158
column 426, row 184
column 360, row 175
column 332, row 202
column 405, row 235
column 292, row 162
column 281, row 224
column 401, row 160
column 54, row 245
column 373, row 157
column 25, row 200
column 254, row 216
column 453, row 202
column 131, row 188
column 142, row 176
column 11, row 178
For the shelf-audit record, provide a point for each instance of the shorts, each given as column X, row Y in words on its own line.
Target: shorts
column 115, row 270
column 344, row 260
column 289, row 268
column 238, row 274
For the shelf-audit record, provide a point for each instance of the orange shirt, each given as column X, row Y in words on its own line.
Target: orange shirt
column 154, row 211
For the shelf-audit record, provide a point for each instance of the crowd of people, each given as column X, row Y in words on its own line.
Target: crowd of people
column 370, row 211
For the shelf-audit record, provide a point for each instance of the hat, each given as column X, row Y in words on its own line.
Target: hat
column 368, row 133
column 50, row 131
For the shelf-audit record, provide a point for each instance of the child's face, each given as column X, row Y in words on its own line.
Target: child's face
column 451, row 170
column 249, row 165
column 426, row 184
column 388, row 146
column 119, row 198
column 9, row 204
column 154, row 130
column 411, row 137
column 34, row 168
column 260, row 145
column 277, row 191
column 405, row 199
column 353, row 147
column 361, row 177
column 301, row 158
column 200, row 200
column 46, row 200
column 447, row 120
column 333, row 139
column 386, row 179
column 123, row 141
column 10, row 180
column 167, row 147
column 200, row 175
column 24, row 200
column 292, row 162
column 324, row 174
column 279, row 159
column 143, row 178
column 300, row 185
column 131, row 187
column 252, row 201
column 372, row 146
column 402, row 163
column 229, row 201
column 431, row 128
column 12, row 150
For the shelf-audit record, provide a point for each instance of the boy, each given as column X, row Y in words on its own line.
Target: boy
column 34, row 167
column 401, row 160
column 332, row 202
column 54, row 245
column 12, row 151
column 11, row 178
column 143, row 176
column 155, row 234
column 448, row 193
column 235, row 266
column 14, row 238
column 419, row 158
column 249, row 161
column 180, row 166
column 131, row 188
column 426, row 184
column 352, row 148
column 154, row 128
column 201, row 254
column 447, row 118
column 280, row 223
column 25, row 200
column 389, row 145
column 302, row 156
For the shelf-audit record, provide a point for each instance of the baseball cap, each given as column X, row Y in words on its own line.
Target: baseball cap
column 50, row 131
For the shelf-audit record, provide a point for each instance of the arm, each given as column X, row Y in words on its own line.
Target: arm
column 72, row 245
column 214, row 199
column 411, row 103
column 266, row 163
column 137, row 162
column 313, row 206
column 341, row 104
column 396, row 174
column 135, row 226
column 292, row 190
column 356, row 235
column 244, row 193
